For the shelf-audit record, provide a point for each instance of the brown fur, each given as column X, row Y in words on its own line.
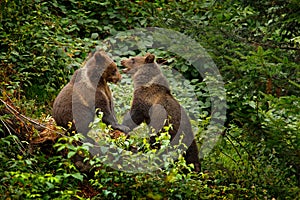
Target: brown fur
column 87, row 91
column 154, row 104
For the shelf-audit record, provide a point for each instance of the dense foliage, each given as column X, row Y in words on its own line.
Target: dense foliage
column 256, row 46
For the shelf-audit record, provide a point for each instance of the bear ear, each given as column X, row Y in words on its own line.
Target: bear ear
column 102, row 58
column 99, row 56
column 149, row 58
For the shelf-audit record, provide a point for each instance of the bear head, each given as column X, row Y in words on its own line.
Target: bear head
column 145, row 71
column 133, row 64
column 100, row 64
column 111, row 73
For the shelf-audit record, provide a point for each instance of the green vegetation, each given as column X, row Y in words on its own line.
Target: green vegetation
column 255, row 45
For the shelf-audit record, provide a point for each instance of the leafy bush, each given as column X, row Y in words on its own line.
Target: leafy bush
column 254, row 44
column 36, row 176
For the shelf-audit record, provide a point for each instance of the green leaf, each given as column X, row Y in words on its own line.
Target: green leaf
column 77, row 176
column 94, row 36
column 71, row 154
column 260, row 50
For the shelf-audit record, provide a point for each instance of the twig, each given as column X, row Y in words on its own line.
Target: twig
column 19, row 116
column 7, row 128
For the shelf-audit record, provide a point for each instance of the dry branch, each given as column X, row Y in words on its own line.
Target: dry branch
column 15, row 123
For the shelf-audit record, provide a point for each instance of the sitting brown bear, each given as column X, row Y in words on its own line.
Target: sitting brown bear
column 154, row 104
column 86, row 92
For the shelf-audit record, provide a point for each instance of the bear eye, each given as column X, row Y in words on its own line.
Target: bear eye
column 133, row 60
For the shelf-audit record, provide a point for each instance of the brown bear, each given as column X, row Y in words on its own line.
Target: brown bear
column 154, row 104
column 87, row 91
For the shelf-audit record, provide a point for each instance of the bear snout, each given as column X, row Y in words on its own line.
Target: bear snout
column 117, row 78
column 123, row 62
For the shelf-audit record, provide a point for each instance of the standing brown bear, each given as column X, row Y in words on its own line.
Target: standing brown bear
column 154, row 104
column 87, row 91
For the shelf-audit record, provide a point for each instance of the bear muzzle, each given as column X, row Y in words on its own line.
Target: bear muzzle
column 127, row 69
column 117, row 78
